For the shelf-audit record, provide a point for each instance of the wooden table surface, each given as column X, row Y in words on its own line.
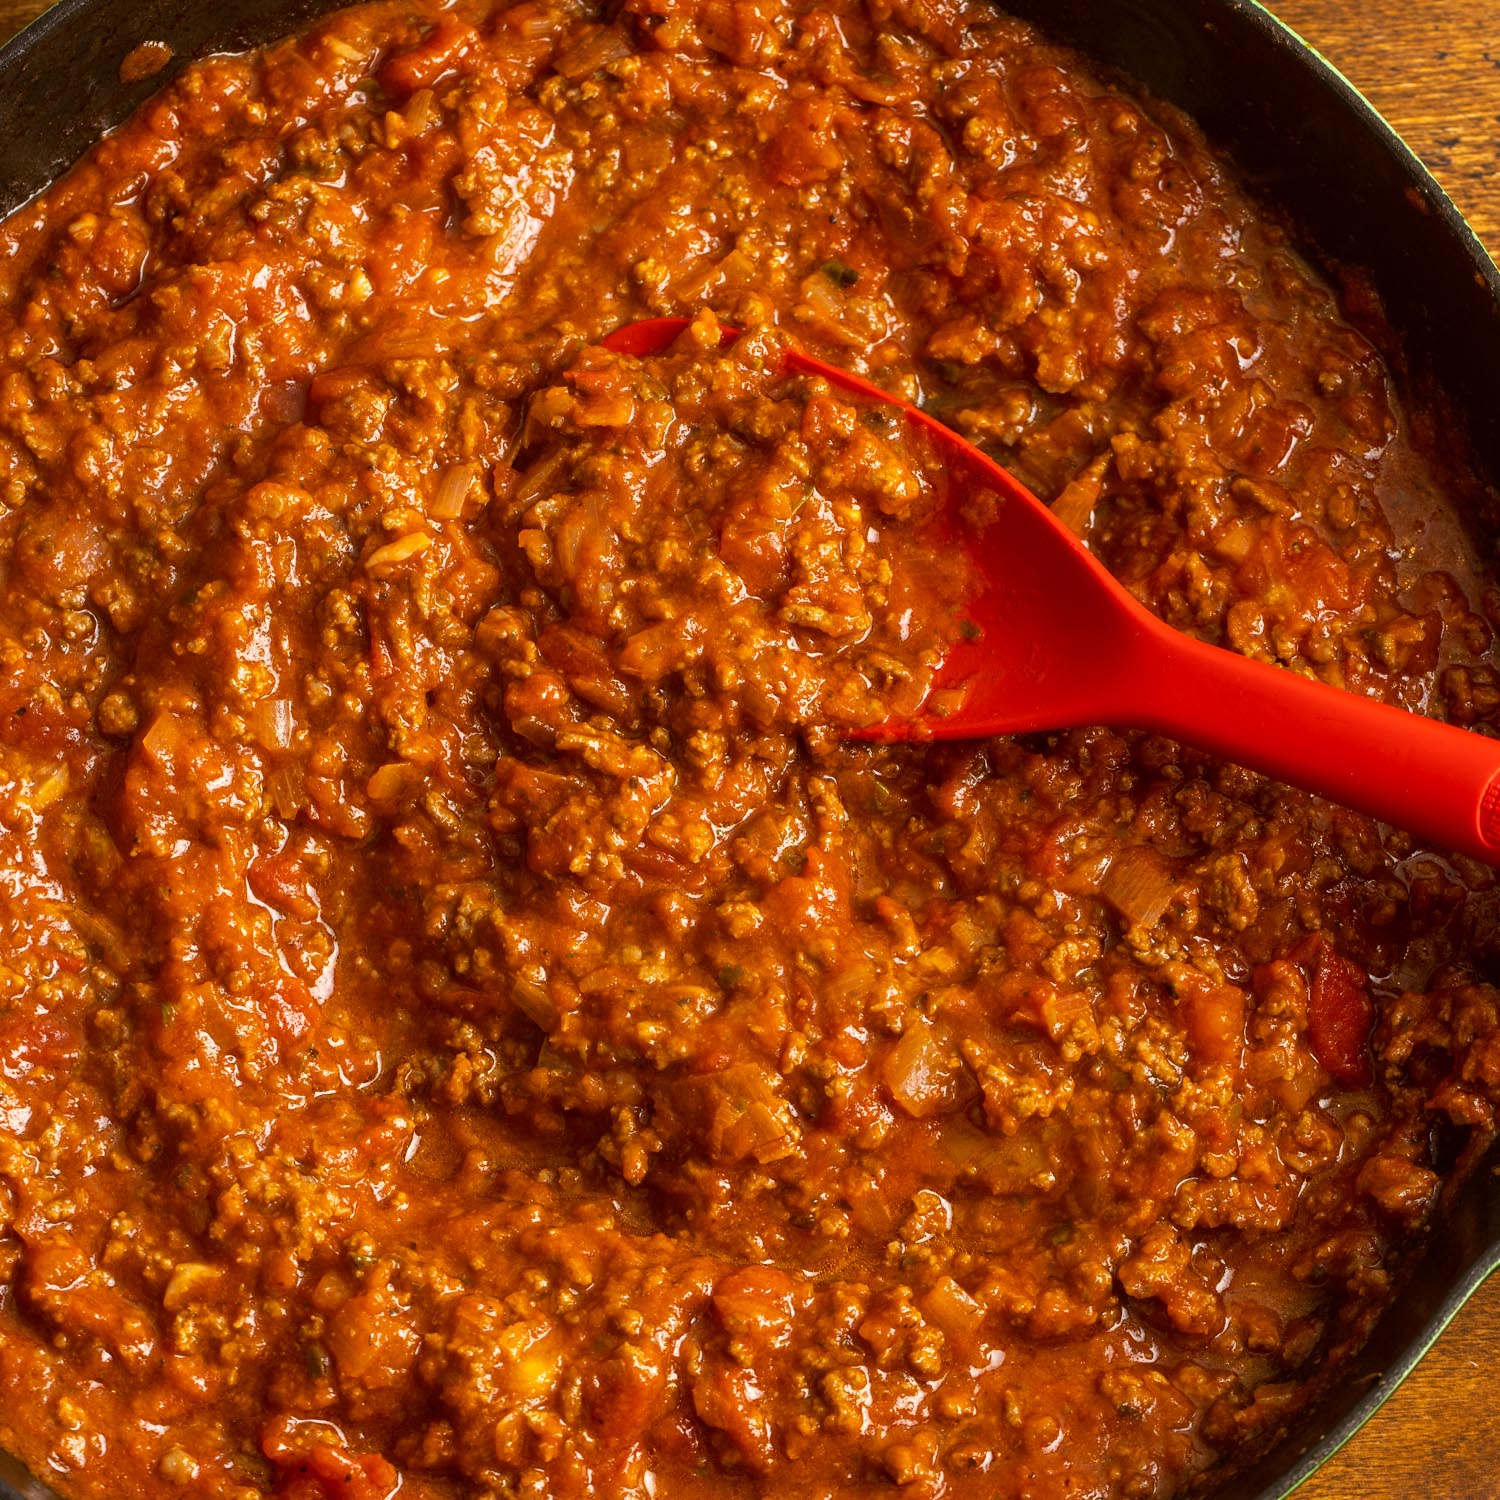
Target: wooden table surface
column 1432, row 67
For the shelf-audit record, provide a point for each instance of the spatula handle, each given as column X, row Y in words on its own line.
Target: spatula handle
column 1439, row 782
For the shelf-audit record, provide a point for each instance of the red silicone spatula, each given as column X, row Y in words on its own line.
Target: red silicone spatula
column 1061, row 644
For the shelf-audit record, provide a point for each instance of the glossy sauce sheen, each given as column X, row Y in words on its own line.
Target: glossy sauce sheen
column 468, row 1026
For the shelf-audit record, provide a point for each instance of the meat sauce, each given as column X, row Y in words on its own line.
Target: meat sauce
column 472, row 1024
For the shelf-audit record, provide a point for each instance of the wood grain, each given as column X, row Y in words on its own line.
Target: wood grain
column 1432, row 67
column 14, row 14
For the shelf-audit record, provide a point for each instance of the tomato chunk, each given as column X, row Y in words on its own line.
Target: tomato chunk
column 326, row 1470
column 1340, row 1012
column 440, row 53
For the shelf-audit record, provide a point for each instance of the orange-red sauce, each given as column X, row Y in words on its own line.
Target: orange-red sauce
column 469, row 1024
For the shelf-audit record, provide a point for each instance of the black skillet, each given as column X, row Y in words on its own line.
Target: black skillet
column 1293, row 125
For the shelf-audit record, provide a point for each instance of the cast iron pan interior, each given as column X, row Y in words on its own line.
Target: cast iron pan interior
column 1298, row 129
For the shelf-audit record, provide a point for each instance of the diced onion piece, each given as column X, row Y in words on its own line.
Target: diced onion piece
column 1074, row 507
column 824, row 309
column 163, row 738
column 735, row 269
column 453, row 491
column 758, row 1131
column 413, row 544
column 420, row 111
column 330, row 385
column 954, row 1311
column 608, row 409
column 749, row 1118
column 533, row 999
column 1068, row 1016
column 1139, row 887
column 49, row 788
column 288, row 789
column 271, row 723
column 533, row 22
column 394, row 781
column 921, row 1072
column 1235, row 542
column 597, row 48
